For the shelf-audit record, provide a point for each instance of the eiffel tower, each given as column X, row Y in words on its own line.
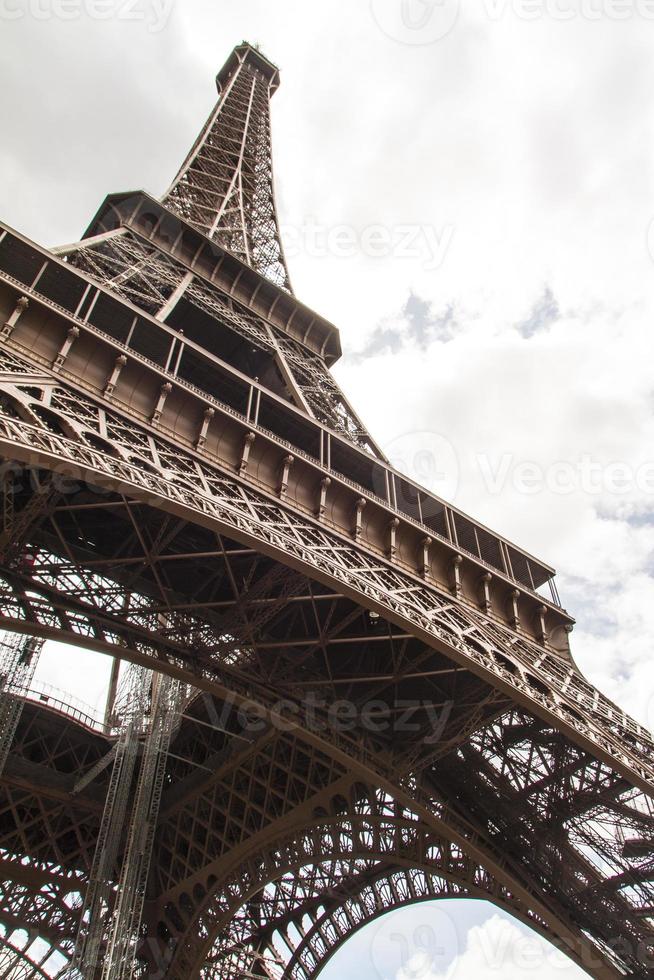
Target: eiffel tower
column 333, row 693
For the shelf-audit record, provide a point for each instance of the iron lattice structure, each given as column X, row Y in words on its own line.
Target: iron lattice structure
column 344, row 696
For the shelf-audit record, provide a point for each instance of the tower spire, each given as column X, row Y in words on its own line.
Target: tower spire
column 225, row 185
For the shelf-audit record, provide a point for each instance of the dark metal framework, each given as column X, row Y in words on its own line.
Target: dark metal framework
column 344, row 696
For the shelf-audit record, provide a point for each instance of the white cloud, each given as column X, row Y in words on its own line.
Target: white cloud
column 449, row 940
column 498, row 948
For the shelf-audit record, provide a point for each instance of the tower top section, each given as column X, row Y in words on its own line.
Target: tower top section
column 249, row 54
column 225, row 186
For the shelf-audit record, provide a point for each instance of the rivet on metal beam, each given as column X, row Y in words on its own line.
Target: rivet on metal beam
column 120, row 363
column 206, row 421
column 163, row 395
column 358, row 518
column 60, row 359
column 245, row 455
column 286, row 472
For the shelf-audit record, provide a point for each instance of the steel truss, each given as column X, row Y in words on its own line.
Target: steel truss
column 174, row 479
column 19, row 656
column 47, row 839
column 166, row 695
column 230, row 825
column 225, row 185
column 108, row 935
column 156, row 283
column 47, row 569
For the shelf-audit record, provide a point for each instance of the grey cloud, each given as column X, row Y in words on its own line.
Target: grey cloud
column 581, row 596
column 418, row 325
column 543, row 314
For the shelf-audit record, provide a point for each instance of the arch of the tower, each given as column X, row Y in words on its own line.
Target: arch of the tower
column 479, row 754
column 480, row 758
column 288, row 906
column 24, row 958
column 303, row 939
column 37, row 930
column 298, row 941
column 157, row 475
column 162, row 557
column 358, row 835
column 307, row 945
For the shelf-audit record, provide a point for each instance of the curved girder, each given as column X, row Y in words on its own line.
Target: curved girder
column 280, row 879
column 188, row 485
column 309, row 950
column 49, row 595
column 50, row 913
column 627, row 807
column 18, row 963
column 38, row 957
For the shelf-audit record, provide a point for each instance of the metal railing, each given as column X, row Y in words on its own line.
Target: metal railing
column 66, row 704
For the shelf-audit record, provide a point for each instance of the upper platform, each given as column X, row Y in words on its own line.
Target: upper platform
column 146, row 216
column 250, row 54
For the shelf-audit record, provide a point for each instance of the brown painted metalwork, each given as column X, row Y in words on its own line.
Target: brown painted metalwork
column 374, row 698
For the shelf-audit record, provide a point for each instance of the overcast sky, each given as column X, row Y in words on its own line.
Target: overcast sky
column 466, row 191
